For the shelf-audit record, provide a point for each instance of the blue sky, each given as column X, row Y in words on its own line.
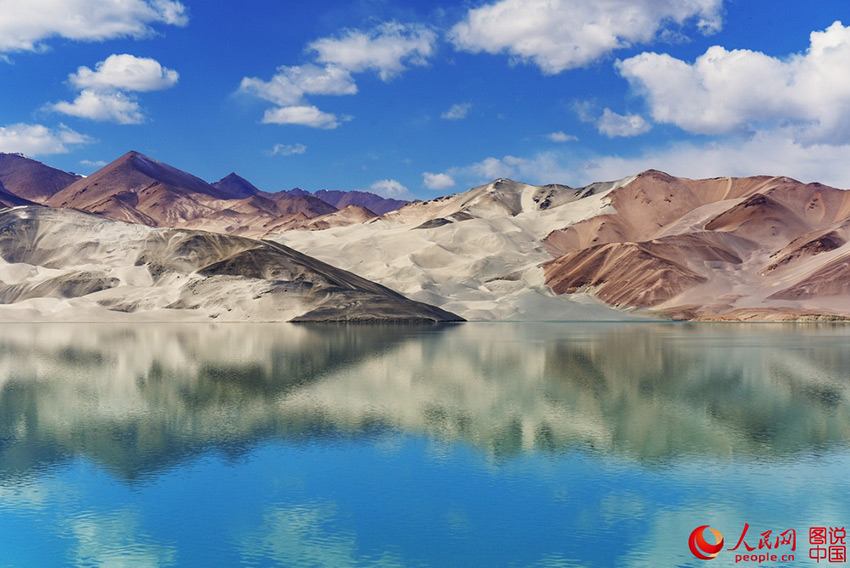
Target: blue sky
column 417, row 99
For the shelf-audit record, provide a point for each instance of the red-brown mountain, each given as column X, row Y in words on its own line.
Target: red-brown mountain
column 236, row 186
column 374, row 203
column 722, row 248
column 377, row 204
column 140, row 189
column 30, row 179
column 9, row 199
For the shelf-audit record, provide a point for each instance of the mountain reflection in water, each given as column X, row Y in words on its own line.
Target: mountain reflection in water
column 141, row 398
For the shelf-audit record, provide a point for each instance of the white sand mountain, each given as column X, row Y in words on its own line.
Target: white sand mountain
column 477, row 254
column 64, row 265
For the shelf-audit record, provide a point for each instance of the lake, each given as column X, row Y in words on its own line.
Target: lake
column 503, row 444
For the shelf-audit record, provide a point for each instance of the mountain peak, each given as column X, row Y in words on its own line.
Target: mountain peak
column 30, row 179
column 656, row 174
column 235, row 186
column 132, row 157
column 140, row 189
column 505, row 184
column 375, row 203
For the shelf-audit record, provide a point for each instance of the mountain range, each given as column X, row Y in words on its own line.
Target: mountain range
column 649, row 245
column 140, row 189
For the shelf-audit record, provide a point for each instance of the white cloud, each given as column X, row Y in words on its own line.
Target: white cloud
column 288, row 87
column 287, row 149
column 563, row 34
column 386, row 49
column 125, row 72
column 103, row 106
column 457, row 111
column 437, row 181
column 92, row 163
column 772, row 152
column 726, row 91
column 492, row 168
column 612, row 124
column 39, row 140
column 26, row 24
column 290, row 84
column 304, row 115
column 94, row 538
column 543, row 168
column 561, row 136
column 103, row 95
column 390, row 188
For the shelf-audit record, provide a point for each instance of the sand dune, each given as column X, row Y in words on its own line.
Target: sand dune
column 477, row 254
column 349, row 215
column 63, row 265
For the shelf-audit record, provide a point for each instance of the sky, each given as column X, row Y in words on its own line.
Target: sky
column 415, row 99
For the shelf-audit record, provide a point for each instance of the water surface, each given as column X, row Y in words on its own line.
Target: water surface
column 543, row 445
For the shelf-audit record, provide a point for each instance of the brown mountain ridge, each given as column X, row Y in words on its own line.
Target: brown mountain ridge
column 32, row 180
column 722, row 248
column 139, row 189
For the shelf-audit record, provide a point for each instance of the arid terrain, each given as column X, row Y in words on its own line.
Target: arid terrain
column 650, row 245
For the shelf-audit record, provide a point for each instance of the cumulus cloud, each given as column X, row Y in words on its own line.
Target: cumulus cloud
column 288, row 149
column 557, row 35
column 103, row 107
column 125, row 72
column 390, row 188
column 772, row 152
column 492, row 168
column 39, row 140
column 730, row 91
column 304, row 115
column 437, row 182
column 613, row 125
column 26, row 24
column 543, row 168
column 386, row 49
column 92, row 163
column 769, row 152
column 561, row 136
column 290, row 84
column 105, row 92
column 457, row 111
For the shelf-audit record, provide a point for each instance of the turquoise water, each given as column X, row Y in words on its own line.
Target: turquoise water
column 542, row 445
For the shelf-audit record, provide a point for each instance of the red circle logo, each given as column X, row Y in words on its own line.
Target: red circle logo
column 700, row 548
